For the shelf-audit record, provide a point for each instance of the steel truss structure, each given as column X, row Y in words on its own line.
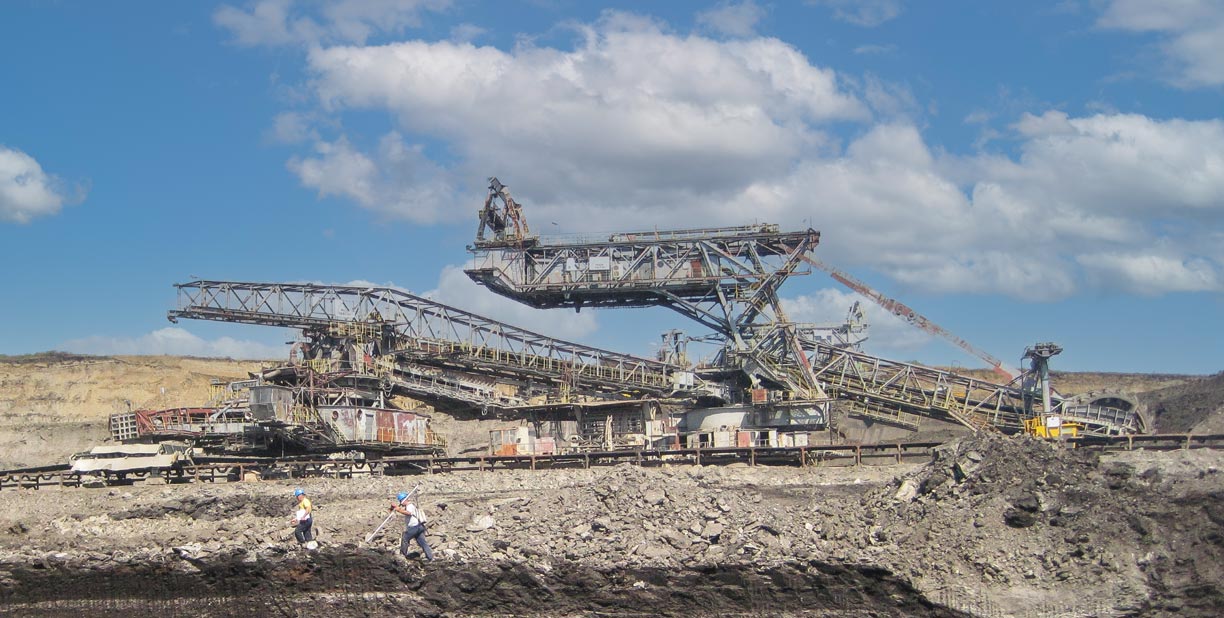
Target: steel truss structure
column 902, row 393
column 723, row 278
column 427, row 348
column 727, row 280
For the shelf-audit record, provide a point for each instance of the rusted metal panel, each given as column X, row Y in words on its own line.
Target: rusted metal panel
column 173, row 421
column 359, row 424
column 345, row 422
column 367, row 424
column 410, row 428
column 387, row 430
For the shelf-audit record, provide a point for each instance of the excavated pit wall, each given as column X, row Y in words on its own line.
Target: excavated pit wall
column 995, row 526
column 356, row 582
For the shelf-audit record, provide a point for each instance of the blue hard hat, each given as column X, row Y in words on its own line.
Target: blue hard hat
column 299, row 492
column 401, row 496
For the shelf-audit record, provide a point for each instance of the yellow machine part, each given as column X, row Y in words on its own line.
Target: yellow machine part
column 1051, row 426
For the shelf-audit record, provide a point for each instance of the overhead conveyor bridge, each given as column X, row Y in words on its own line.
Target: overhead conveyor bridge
column 417, row 331
column 727, row 279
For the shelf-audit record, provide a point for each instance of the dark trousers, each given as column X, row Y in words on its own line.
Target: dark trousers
column 418, row 533
column 302, row 531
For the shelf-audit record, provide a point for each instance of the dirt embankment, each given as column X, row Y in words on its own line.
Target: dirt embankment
column 1195, row 405
column 53, row 405
column 1076, row 382
column 993, row 522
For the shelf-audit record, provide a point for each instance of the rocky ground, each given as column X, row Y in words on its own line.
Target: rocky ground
column 993, row 526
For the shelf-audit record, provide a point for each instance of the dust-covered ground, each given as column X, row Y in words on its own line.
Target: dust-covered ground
column 992, row 526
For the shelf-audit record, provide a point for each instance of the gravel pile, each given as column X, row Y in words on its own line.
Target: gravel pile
column 1020, row 513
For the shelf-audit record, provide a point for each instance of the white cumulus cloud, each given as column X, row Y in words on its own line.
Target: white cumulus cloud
column 26, row 191
column 293, row 128
column 633, row 113
column 1151, row 274
column 637, row 127
column 174, row 341
column 1191, row 31
column 398, row 180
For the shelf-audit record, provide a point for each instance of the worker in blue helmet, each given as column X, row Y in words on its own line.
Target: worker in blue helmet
column 414, row 525
column 303, row 519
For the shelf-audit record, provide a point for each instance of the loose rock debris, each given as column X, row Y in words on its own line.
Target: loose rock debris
column 1011, row 522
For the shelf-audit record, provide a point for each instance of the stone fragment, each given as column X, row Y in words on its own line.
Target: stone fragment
column 655, row 551
column 480, row 524
column 907, row 492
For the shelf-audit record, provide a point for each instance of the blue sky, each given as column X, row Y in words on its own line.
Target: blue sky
column 1018, row 172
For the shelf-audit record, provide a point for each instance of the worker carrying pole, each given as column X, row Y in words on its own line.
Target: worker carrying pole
column 414, row 525
column 402, row 496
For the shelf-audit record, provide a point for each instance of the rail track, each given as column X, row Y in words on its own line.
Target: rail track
column 233, row 469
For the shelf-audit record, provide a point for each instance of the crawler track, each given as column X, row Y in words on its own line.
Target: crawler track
column 222, row 469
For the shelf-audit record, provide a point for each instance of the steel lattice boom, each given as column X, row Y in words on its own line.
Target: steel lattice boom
column 904, row 312
column 424, row 332
column 719, row 267
column 769, row 372
column 726, row 278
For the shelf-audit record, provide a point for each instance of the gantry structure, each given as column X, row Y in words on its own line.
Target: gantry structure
column 725, row 279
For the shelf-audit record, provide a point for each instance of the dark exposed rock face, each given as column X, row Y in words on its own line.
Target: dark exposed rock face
column 353, row 581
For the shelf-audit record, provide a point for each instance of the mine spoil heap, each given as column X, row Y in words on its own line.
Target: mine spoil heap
column 1020, row 512
column 1008, row 523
